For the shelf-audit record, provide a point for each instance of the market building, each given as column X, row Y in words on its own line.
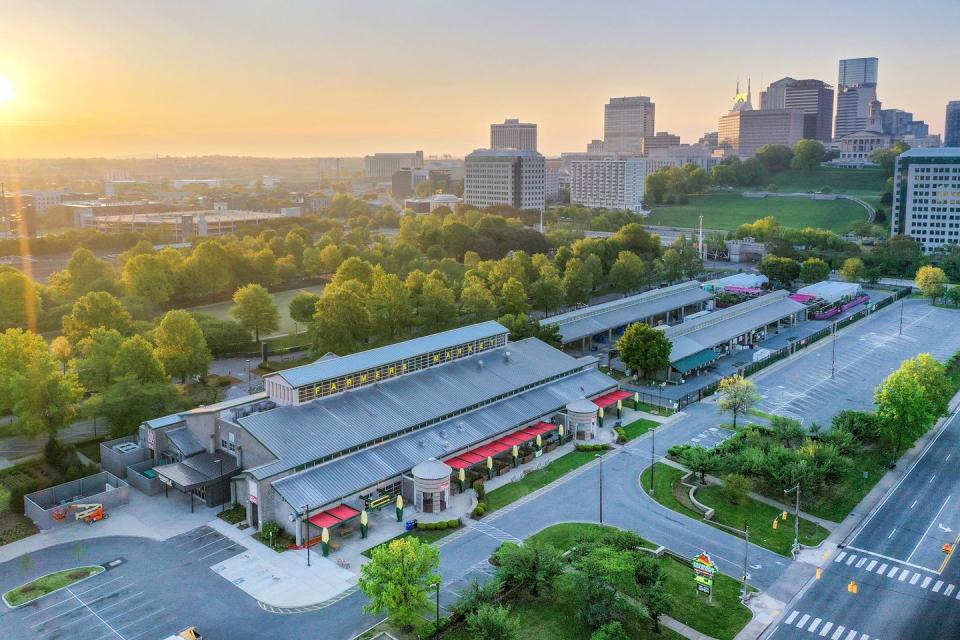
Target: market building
column 417, row 419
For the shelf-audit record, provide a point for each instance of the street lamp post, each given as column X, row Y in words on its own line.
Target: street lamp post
column 306, row 519
column 249, row 385
column 796, row 524
column 901, row 318
column 833, row 357
column 746, row 550
column 601, row 485
column 220, row 462
column 653, row 446
column 436, row 630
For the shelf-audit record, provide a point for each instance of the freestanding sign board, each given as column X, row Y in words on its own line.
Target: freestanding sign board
column 703, row 572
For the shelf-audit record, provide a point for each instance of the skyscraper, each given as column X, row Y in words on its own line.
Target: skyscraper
column 513, row 134
column 505, row 176
column 856, row 92
column 951, row 131
column 626, row 121
column 815, row 99
column 926, row 197
column 775, row 95
column 744, row 130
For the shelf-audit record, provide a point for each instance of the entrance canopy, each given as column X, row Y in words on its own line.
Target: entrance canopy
column 481, row 453
column 611, row 398
column 334, row 516
column 695, row 361
column 199, row 470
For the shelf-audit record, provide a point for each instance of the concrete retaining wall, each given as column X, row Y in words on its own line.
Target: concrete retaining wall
column 116, row 462
column 140, row 482
column 103, row 488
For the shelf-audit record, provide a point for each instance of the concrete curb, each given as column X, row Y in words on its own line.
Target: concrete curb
column 38, row 598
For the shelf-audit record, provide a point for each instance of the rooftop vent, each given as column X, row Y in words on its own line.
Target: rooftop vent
column 480, row 363
column 506, row 356
column 461, row 426
column 421, row 443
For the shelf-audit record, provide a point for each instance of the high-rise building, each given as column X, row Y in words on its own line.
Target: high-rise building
column 626, row 121
column 894, row 122
column 857, row 71
column 513, row 134
column 926, row 197
column 815, row 99
column 595, row 146
column 856, row 92
column 384, row 165
column 744, row 130
column 774, row 97
column 504, row 176
column 17, row 213
column 951, row 130
column 662, row 140
column 611, row 184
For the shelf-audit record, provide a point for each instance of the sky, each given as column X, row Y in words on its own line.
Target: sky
column 125, row 78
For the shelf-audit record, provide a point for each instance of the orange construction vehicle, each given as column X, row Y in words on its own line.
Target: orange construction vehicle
column 89, row 513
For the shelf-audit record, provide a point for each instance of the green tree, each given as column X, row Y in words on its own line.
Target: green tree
column 547, row 290
column 493, row 622
column 180, row 345
column 437, row 309
column 136, row 358
column 807, row 155
column 303, row 306
column 903, row 410
column 222, row 336
column 208, row 271
column 627, row 273
column 62, row 351
column 887, row 158
column 814, row 270
column 19, row 296
column 610, row 631
column 853, row 270
column 388, row 307
column 644, row 350
column 593, row 266
column 85, row 272
column 775, row 157
column 780, row 270
column 530, row 566
column 341, row 323
column 513, row 297
column 736, row 487
column 952, row 296
column 932, row 281
column 32, row 387
column 600, row 573
column 256, row 310
column 127, row 402
column 577, row 282
column 787, row 430
column 476, row 301
column 353, row 268
column 933, row 378
column 148, row 276
column 737, row 395
column 95, row 309
column 399, row 578
column 97, row 353
column 701, row 461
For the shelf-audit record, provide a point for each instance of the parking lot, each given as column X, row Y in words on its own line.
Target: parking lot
column 815, row 384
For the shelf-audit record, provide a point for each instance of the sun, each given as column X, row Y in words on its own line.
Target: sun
column 7, row 94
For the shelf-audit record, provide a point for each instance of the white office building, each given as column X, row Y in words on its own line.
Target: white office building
column 505, row 176
column 926, row 197
column 626, row 122
column 513, row 134
column 384, row 165
column 610, row 184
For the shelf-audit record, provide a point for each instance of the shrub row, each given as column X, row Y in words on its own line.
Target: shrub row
column 438, row 526
column 593, row 447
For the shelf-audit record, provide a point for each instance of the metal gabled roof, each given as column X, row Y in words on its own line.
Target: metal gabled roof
column 342, row 477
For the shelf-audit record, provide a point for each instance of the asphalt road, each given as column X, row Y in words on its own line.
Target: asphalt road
column 908, row 587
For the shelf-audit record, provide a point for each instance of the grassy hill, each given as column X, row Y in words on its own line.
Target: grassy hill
column 852, row 181
column 729, row 210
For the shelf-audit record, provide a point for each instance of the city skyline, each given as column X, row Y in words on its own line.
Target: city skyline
column 194, row 81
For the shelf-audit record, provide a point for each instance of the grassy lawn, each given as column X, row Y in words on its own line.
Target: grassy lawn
column 669, row 492
column 282, row 298
column 847, row 494
column 722, row 619
column 638, row 427
column 513, row 491
column 852, row 181
column 45, row 585
column 427, row 535
column 727, row 211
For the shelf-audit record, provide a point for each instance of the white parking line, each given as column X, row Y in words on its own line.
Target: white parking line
column 882, row 568
column 850, row 560
column 117, row 633
column 948, row 590
column 203, row 546
column 142, row 618
column 893, row 572
column 926, row 582
column 903, row 575
column 936, row 587
column 840, row 556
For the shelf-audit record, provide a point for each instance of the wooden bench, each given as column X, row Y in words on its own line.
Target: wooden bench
column 381, row 501
column 346, row 532
column 335, row 546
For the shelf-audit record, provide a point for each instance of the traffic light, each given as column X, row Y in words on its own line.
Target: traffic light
column 819, row 572
column 948, row 548
column 775, row 523
column 852, row 587
column 784, row 516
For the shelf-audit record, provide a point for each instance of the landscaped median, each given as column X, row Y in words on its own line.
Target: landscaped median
column 45, row 585
column 635, row 429
column 673, row 494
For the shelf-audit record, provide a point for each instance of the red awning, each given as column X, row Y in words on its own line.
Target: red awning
column 471, row 457
column 512, row 440
column 486, row 451
column 343, row 512
column 506, row 443
column 611, row 398
column 458, row 463
column 541, row 428
column 324, row 519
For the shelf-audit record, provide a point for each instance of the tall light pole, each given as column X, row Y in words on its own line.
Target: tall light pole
column 833, row 357
column 601, row 485
column 796, row 524
column 220, row 462
column 249, row 387
column 306, row 519
column 746, row 550
column 436, row 630
column 653, row 446
column 901, row 317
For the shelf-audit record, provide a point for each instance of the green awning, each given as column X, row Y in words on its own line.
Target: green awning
column 695, row 360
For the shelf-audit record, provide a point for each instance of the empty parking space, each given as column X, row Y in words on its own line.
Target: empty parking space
column 710, row 437
column 204, row 545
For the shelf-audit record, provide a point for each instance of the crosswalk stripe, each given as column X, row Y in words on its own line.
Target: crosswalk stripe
column 893, row 571
column 803, row 621
column 840, row 556
column 914, row 579
column 813, row 625
column 850, row 559
column 791, row 617
column 882, row 568
column 852, row 635
column 838, row 633
column 936, row 587
column 872, row 564
column 864, row 636
column 861, row 562
column 958, row 594
column 904, row 575
column 826, row 629
column 948, row 590
column 926, row 582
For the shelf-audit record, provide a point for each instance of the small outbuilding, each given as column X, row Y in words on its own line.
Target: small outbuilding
column 431, row 485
